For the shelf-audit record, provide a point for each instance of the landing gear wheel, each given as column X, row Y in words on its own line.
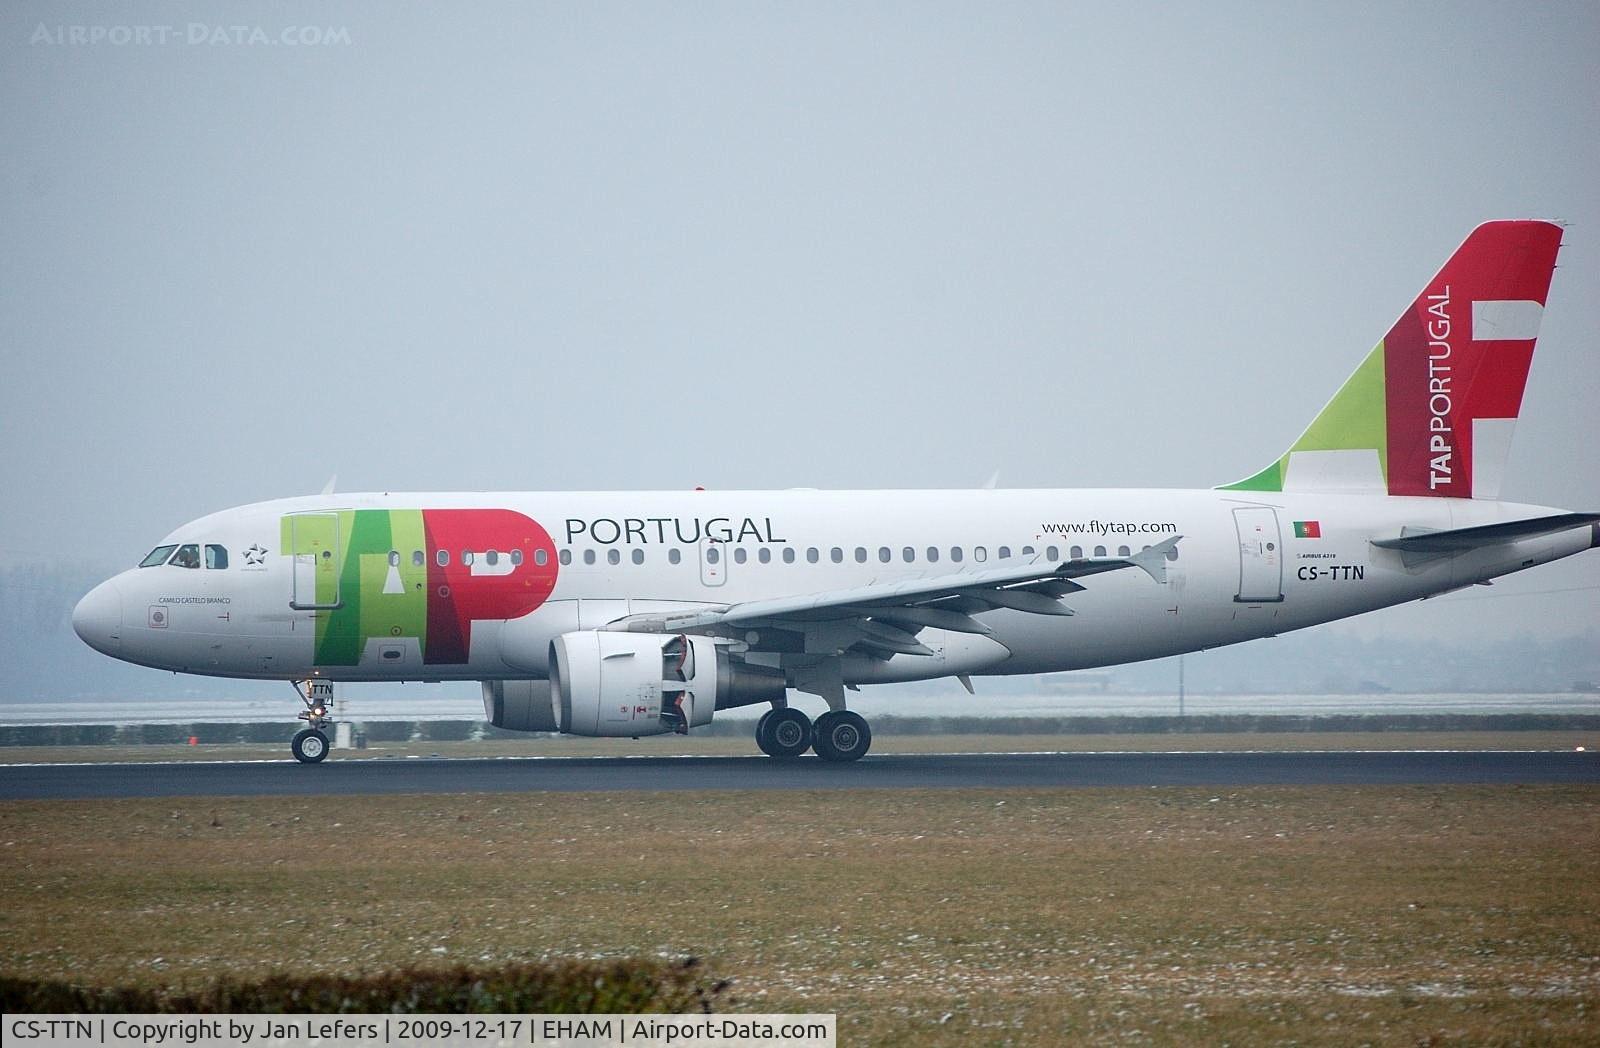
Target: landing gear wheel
column 309, row 745
column 764, row 740
column 842, row 736
column 784, row 732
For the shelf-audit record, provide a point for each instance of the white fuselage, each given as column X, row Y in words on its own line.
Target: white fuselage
column 373, row 614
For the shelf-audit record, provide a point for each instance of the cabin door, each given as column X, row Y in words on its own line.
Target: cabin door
column 314, row 544
column 1260, row 555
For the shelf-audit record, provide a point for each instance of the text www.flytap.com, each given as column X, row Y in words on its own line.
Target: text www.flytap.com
column 1107, row 527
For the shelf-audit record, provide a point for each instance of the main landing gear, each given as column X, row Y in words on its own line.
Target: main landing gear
column 310, row 744
column 837, row 735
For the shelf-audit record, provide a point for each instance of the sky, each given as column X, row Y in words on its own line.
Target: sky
column 745, row 245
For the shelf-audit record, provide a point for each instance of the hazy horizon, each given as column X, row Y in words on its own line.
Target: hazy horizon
column 546, row 247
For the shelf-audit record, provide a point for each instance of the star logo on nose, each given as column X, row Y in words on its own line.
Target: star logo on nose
column 255, row 556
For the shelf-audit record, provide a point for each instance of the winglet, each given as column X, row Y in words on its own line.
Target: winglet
column 1153, row 561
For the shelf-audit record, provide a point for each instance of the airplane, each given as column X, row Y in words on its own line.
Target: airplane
column 628, row 614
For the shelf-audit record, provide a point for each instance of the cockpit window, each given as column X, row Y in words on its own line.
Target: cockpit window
column 188, row 556
column 156, row 556
column 216, row 557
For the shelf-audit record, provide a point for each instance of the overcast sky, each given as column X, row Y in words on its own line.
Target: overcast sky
column 536, row 246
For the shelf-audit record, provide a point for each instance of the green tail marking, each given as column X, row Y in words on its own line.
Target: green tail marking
column 1356, row 418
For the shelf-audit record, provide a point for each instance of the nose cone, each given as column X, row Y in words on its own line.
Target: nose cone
column 97, row 620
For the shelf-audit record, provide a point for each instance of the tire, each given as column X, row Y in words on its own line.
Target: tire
column 763, row 739
column 309, row 746
column 787, row 734
column 842, row 736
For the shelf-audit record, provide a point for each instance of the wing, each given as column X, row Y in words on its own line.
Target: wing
column 885, row 617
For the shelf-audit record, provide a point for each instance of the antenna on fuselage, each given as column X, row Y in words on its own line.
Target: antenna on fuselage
column 327, row 489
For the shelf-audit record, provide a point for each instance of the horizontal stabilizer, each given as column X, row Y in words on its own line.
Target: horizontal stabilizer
column 1457, row 540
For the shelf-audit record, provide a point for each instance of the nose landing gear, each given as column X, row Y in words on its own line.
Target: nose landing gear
column 310, row 744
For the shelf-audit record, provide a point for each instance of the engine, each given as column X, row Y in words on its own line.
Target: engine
column 629, row 684
column 520, row 705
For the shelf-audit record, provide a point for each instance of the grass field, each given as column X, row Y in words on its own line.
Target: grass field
column 1346, row 915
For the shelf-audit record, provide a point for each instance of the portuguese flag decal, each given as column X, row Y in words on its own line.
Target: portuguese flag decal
column 1308, row 529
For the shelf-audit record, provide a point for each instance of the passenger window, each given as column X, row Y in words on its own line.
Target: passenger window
column 492, row 557
column 466, row 557
column 933, row 554
column 740, row 555
column 417, row 559
column 1099, row 551
column 187, row 556
column 443, row 558
column 613, row 556
column 955, row 554
column 861, row 554
column 1027, row 551
column 980, row 554
column 788, row 554
column 764, row 555
column 540, row 557
column 713, row 555
column 1172, row 554
column 217, row 557
column 1077, row 552
column 908, row 555
column 1051, row 553
column 516, row 558
column 1004, row 552
column 638, row 556
column 811, row 555
column 885, row 554
column 836, row 555
column 1123, row 551
column 565, row 556
column 588, row 556
column 674, row 555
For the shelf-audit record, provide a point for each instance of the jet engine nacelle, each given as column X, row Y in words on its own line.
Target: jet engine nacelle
column 628, row 684
column 520, row 705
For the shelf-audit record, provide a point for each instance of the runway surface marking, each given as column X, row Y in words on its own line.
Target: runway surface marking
column 744, row 756
column 425, row 775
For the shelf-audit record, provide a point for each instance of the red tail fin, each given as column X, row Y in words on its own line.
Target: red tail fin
column 1430, row 411
column 1456, row 362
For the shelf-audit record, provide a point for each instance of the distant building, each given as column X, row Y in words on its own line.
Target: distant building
column 1076, row 682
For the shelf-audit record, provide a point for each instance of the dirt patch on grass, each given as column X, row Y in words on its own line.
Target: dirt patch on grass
column 1325, row 916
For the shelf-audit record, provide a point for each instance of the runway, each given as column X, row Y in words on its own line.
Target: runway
column 890, row 771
